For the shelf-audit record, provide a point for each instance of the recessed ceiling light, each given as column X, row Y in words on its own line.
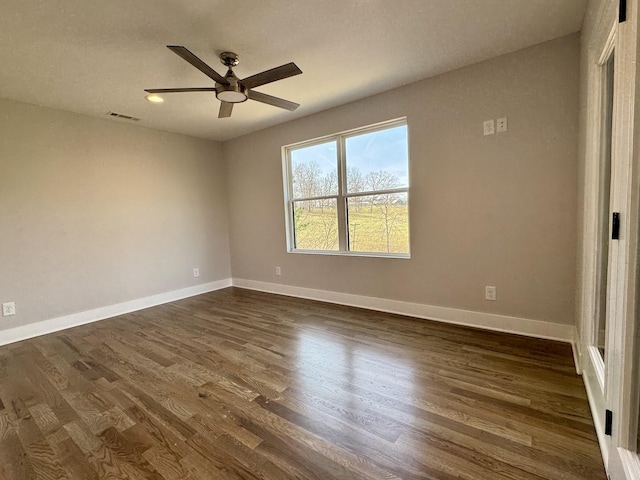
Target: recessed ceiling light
column 154, row 98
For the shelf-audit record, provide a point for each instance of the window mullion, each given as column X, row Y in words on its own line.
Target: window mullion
column 341, row 202
column 288, row 188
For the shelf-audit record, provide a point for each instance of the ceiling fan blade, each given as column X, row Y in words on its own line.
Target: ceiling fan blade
column 271, row 100
column 199, row 64
column 225, row 109
column 173, row 90
column 268, row 76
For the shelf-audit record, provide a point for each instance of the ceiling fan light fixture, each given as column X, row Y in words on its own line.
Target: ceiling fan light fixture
column 153, row 98
column 231, row 93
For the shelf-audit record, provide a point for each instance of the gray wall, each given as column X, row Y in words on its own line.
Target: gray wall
column 497, row 210
column 95, row 212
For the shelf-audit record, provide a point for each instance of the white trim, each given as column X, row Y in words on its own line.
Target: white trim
column 630, row 463
column 348, row 253
column 609, row 44
column 44, row 327
column 602, row 43
column 598, row 364
column 598, row 421
column 601, row 378
column 487, row 321
column 577, row 351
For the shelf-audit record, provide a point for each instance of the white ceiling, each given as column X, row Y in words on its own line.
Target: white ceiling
column 97, row 56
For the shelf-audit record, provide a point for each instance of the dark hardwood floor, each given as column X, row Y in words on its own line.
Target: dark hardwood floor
column 240, row 385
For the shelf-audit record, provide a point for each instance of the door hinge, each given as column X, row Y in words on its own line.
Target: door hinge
column 608, row 422
column 615, row 226
column 622, row 12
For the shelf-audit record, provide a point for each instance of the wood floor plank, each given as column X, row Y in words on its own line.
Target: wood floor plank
column 14, row 461
column 73, row 460
column 43, row 459
column 243, row 385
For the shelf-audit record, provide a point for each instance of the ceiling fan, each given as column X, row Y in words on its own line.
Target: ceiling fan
column 230, row 89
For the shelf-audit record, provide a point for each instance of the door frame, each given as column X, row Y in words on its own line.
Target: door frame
column 612, row 384
column 604, row 40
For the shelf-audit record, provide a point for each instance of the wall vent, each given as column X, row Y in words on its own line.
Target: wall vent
column 122, row 116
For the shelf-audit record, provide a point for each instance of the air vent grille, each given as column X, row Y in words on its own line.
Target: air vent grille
column 122, row 116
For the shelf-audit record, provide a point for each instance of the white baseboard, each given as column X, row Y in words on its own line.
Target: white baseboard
column 17, row 334
column 576, row 347
column 487, row 321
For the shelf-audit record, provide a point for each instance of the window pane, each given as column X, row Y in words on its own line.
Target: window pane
column 377, row 160
column 316, row 224
column 379, row 223
column 314, row 170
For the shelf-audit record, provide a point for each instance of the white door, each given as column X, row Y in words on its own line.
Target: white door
column 611, row 274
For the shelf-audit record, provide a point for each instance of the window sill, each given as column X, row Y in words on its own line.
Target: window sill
column 403, row 256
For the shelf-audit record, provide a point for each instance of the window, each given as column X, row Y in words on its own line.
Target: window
column 349, row 193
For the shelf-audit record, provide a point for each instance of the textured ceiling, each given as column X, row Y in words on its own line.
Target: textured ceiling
column 97, row 56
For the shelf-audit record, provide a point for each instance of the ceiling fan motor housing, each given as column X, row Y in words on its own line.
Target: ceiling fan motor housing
column 234, row 92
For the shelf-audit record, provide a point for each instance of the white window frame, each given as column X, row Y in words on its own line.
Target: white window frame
column 342, row 196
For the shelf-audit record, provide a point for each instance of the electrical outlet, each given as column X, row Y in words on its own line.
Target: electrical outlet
column 488, row 127
column 8, row 309
column 196, row 272
column 501, row 125
column 490, row 293
column 278, row 271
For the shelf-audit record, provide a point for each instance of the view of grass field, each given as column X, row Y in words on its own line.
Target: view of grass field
column 379, row 228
